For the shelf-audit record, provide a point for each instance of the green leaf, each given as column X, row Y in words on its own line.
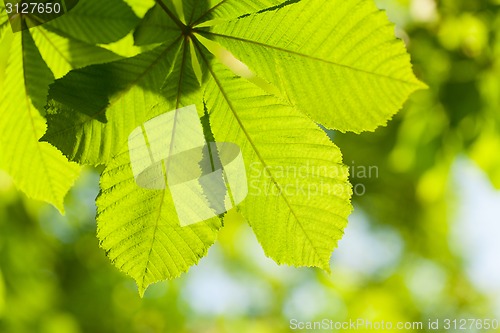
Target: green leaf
column 124, row 94
column 147, row 242
column 161, row 20
column 62, row 54
column 3, row 17
column 183, row 83
column 224, row 9
column 156, row 27
column 299, row 194
column 140, row 7
column 337, row 61
column 140, row 231
column 332, row 62
column 38, row 169
column 92, row 132
column 4, row 56
column 96, row 21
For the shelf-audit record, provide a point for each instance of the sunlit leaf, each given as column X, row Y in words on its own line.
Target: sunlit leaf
column 38, row 169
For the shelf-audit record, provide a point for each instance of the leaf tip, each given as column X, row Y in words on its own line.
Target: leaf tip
column 324, row 265
column 422, row 85
column 60, row 207
column 327, row 269
column 141, row 288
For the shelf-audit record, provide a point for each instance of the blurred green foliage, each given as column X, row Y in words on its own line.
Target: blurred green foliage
column 55, row 278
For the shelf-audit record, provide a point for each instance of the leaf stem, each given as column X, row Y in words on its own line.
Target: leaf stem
column 174, row 18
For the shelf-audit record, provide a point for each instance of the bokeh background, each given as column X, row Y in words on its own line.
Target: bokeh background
column 421, row 244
